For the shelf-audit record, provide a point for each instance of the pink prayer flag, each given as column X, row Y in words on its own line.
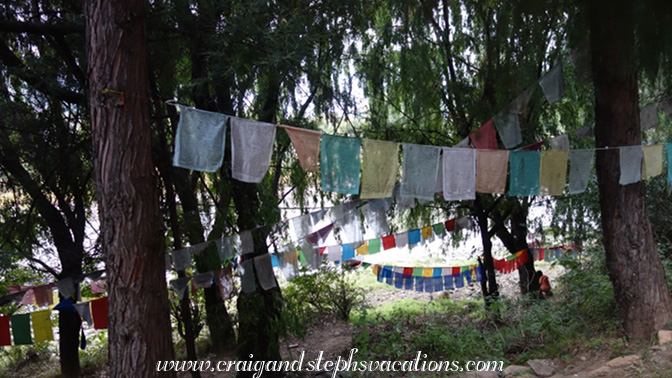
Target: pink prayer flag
column 485, row 137
column 97, row 287
column 307, row 145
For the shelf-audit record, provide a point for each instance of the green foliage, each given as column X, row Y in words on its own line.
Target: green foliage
column 94, row 358
column 330, row 291
column 28, row 360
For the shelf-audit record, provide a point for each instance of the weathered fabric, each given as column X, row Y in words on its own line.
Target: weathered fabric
column 553, row 172
column 379, row 168
column 340, row 164
column 307, row 146
column 553, row 84
column 580, row 163
column 484, row 137
column 459, row 174
column 560, row 142
column 652, row 161
column 508, row 128
column 200, row 139
column 491, row 170
column 419, row 171
column 251, row 149
column 524, row 179
column 630, row 158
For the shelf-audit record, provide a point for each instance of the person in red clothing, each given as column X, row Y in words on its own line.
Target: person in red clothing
column 544, row 284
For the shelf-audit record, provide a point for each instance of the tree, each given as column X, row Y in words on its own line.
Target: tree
column 632, row 259
column 126, row 188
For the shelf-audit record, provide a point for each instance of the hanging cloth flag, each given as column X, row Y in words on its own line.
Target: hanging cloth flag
column 438, row 186
column 449, row 225
column 363, row 249
column 226, row 247
column 580, row 162
column 524, row 173
column 66, row 287
column 246, row 242
column 28, row 297
column 84, row 311
column 181, row 259
column 464, row 143
column 97, row 287
column 439, row 228
column 389, row 242
column 348, row 252
column 533, row 146
column 459, row 174
column 375, row 220
column 553, row 84
column 350, row 225
column 553, row 172
column 401, row 239
column 508, row 128
column 339, row 164
column 491, row 169
column 560, row 142
column 262, row 265
column 648, row 116
column 43, row 295
column 630, row 158
column 99, row 311
column 200, row 139
column 307, row 146
column 484, row 137
column 301, row 226
column 203, row 279
column 652, row 161
column 5, row 334
column 374, row 246
column 379, row 168
column 414, row 236
column 426, row 232
column 419, row 171
column 289, row 264
column 21, row 329
column 42, row 325
column 247, row 276
column 463, row 223
column 179, row 286
column 334, row 253
column 668, row 148
column 251, row 149
column 519, row 105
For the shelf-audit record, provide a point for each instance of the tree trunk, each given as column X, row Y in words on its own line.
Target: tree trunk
column 634, row 266
column 126, row 188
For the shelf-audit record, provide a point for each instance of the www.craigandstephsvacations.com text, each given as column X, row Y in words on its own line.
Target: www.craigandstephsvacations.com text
column 418, row 364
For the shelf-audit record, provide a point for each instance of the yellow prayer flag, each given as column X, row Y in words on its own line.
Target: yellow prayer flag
column 375, row 269
column 42, row 325
column 426, row 232
column 363, row 249
column 427, row 272
column 652, row 161
column 379, row 168
column 553, row 172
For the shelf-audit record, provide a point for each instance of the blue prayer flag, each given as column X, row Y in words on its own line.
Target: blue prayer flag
column 348, row 252
column 339, row 164
column 419, row 283
column 524, row 179
column 414, row 236
column 448, row 282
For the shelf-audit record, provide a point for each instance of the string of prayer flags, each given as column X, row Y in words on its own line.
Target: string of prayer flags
column 508, row 128
column 560, row 142
column 459, row 174
column 340, row 164
column 491, row 170
column 550, row 254
column 524, row 179
column 200, row 139
column 84, row 311
column 484, row 137
column 264, row 269
column 21, row 329
column 630, row 158
column 41, row 321
column 580, row 163
column 99, row 310
column 379, row 168
column 419, row 171
column 307, row 146
column 553, row 172
column 251, row 149
column 652, row 161
column 512, row 263
column 5, row 334
column 648, row 116
column 553, row 84
column 427, row 279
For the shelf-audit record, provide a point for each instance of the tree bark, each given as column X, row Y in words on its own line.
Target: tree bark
column 126, row 189
column 634, row 266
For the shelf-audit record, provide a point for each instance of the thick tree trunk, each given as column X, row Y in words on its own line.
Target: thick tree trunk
column 632, row 259
column 139, row 326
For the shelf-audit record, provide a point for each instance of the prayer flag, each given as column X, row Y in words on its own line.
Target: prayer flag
column 99, row 310
column 363, row 249
column 66, row 287
column 374, row 246
column 84, row 311
column 376, row 220
column 648, row 116
column 450, row 225
column 560, row 142
column 580, row 162
column 264, row 269
column 389, row 242
column 524, row 179
column 533, row 146
column 203, row 280
column 491, row 170
column 42, row 325
column 251, row 149
column 652, row 161
column 401, row 239
column 307, row 146
column 439, row 228
column 181, row 259
column 631, row 164
column 247, row 277
column 5, row 334
column 553, row 172
column 379, row 168
column 426, row 232
column 21, row 329
column 419, row 171
column 179, row 286
column 417, row 272
column 200, row 139
column 334, row 253
column 668, row 148
column 459, row 174
column 508, row 128
column 429, row 284
column 427, row 272
column 553, row 84
column 339, row 164
column 519, row 105
column 348, row 252
column 97, row 287
column 43, row 295
column 484, row 137
column 414, row 236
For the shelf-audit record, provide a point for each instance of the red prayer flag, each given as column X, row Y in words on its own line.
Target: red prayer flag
column 533, row 147
column 485, row 137
column 99, row 313
column 456, row 270
column 5, row 333
column 450, row 225
column 408, row 272
column 322, row 249
column 542, row 254
column 389, row 242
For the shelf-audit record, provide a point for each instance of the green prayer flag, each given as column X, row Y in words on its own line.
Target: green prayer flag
column 374, row 246
column 417, row 272
column 21, row 329
column 302, row 258
column 439, row 228
column 465, row 268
